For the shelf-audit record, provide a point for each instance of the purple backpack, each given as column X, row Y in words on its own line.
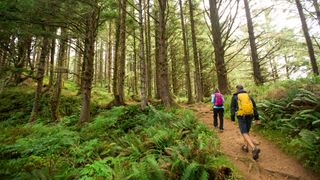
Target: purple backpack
column 218, row 101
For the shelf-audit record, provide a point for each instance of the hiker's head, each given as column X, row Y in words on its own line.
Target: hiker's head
column 217, row 90
column 239, row 87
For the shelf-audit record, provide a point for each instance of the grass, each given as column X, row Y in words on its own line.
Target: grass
column 279, row 138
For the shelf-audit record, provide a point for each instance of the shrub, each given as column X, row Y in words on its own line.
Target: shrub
column 296, row 116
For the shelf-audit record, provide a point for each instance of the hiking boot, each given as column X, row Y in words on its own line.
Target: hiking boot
column 255, row 153
column 244, row 148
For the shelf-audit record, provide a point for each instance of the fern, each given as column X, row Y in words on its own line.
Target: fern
column 190, row 172
column 97, row 169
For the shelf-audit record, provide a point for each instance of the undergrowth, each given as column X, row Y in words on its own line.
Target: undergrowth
column 122, row 143
column 290, row 114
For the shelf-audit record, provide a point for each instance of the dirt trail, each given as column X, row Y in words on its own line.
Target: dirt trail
column 272, row 164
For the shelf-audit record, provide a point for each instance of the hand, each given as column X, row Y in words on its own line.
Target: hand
column 258, row 122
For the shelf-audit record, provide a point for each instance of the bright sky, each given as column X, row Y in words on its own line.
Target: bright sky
column 284, row 14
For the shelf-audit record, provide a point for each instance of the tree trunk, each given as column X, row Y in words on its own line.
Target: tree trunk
column 106, row 60
column 287, row 66
column 75, row 60
column 116, row 61
column 135, row 84
column 218, row 48
column 95, row 70
column 157, row 54
column 198, row 82
column 148, row 49
column 101, row 63
column 174, row 72
column 275, row 68
column 47, row 66
column 19, row 61
column 308, row 39
column 119, row 58
column 67, row 61
column 80, row 64
column 258, row 79
column 37, row 54
column 205, row 91
column 122, row 56
column 62, row 58
column 52, row 55
column 163, row 63
column 1, row 58
column 110, row 57
column 142, row 60
column 90, row 36
column 316, row 7
column 186, row 56
column 40, row 74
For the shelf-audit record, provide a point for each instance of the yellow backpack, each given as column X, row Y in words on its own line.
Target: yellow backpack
column 245, row 106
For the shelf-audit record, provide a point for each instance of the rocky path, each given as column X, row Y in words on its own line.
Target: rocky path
column 272, row 164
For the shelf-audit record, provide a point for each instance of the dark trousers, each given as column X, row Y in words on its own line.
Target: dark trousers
column 216, row 112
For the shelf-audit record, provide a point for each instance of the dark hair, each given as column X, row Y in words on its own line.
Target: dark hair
column 239, row 87
column 217, row 90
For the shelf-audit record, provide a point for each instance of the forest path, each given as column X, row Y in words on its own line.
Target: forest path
column 272, row 163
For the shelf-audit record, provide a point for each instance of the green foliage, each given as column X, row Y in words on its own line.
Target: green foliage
column 98, row 169
column 16, row 105
column 34, row 146
column 296, row 115
column 123, row 143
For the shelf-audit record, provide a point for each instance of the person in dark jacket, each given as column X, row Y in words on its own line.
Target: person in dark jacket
column 244, row 107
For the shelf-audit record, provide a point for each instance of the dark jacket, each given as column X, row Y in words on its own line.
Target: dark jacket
column 234, row 106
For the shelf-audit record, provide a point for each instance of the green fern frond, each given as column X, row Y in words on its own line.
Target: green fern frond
column 190, row 171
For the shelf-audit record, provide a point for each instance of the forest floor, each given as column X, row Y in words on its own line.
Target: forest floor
column 272, row 163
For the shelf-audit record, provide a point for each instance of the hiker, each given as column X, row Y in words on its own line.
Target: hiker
column 218, row 109
column 244, row 107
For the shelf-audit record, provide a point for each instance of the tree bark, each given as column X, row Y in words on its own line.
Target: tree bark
column 110, row 57
column 174, row 72
column 308, row 39
column 90, row 36
column 122, row 57
column 198, row 82
column 52, row 55
column 142, row 60
column 106, row 60
column 67, row 61
column 157, row 55
column 258, row 79
column 163, row 63
column 20, row 60
column 40, row 74
column 116, row 60
column 95, row 70
column 205, row 91
column 119, row 58
column 186, row 56
column 218, row 48
column 148, row 49
column 80, row 63
column 135, row 78
column 75, row 61
column 101, row 63
column 62, row 58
